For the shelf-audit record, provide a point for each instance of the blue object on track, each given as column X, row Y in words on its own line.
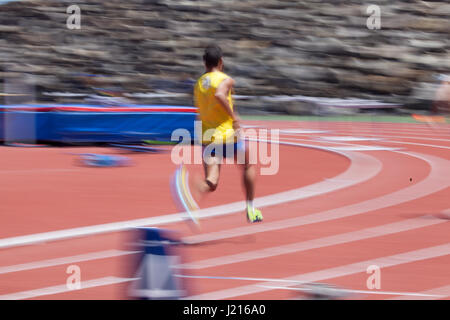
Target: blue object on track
column 100, row 160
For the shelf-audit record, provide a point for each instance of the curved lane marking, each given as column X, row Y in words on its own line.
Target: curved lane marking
column 431, row 184
column 362, row 234
column 363, row 167
column 330, row 273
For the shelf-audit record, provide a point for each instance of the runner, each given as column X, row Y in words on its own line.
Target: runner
column 220, row 128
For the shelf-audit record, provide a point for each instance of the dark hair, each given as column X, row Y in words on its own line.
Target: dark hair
column 212, row 56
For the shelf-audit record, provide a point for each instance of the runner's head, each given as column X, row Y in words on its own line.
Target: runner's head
column 213, row 57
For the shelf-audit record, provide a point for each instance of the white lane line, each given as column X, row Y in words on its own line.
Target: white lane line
column 237, row 278
column 64, row 260
column 353, row 147
column 408, row 294
column 431, row 184
column 89, row 230
column 333, row 240
column 432, row 294
column 361, row 148
column 367, row 132
column 363, row 167
column 420, row 144
column 389, row 261
column 365, row 148
column 330, row 273
column 372, row 126
column 422, row 131
column 367, row 233
column 86, row 284
column 301, row 131
column 318, row 139
column 348, row 138
column 384, row 137
column 336, row 145
column 346, row 146
column 332, row 179
column 398, row 132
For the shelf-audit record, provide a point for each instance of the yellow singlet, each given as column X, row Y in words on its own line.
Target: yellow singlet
column 216, row 122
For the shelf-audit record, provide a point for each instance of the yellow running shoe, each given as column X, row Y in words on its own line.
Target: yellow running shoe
column 254, row 215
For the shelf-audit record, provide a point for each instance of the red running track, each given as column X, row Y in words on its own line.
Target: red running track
column 346, row 196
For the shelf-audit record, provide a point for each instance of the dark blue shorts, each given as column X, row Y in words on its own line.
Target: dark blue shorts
column 224, row 150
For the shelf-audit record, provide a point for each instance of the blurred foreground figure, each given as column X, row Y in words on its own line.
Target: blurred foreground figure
column 442, row 99
column 154, row 266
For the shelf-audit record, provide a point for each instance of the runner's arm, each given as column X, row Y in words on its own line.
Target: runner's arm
column 222, row 96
